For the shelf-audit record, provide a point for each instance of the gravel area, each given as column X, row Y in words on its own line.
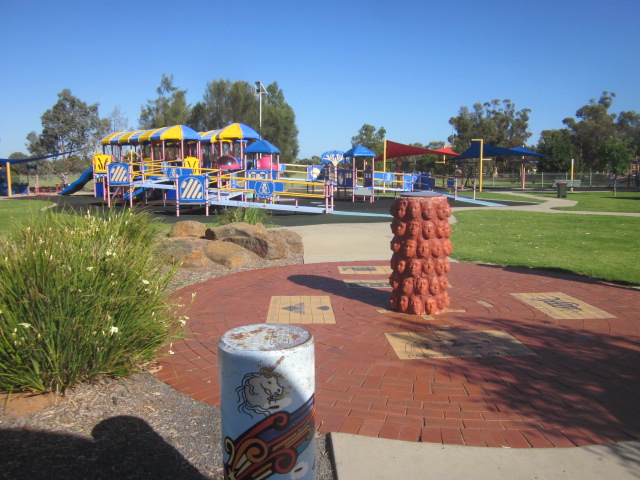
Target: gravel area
column 122, row 428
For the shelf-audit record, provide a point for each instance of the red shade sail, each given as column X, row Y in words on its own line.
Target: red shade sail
column 395, row 150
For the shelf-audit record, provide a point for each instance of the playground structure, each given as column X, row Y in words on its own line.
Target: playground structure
column 209, row 168
column 235, row 161
column 231, row 167
column 234, row 167
column 341, row 168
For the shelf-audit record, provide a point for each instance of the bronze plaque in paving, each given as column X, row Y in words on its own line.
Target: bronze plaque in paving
column 561, row 306
column 365, row 270
column 301, row 309
column 382, row 283
column 456, row 344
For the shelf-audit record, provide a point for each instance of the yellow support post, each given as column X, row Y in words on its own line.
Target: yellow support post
column 572, row 175
column 481, row 159
column 8, row 178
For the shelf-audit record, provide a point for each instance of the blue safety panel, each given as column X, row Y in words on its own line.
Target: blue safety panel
column 345, row 178
column 118, row 174
column 192, row 188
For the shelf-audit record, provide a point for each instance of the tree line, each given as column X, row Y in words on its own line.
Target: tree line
column 73, row 125
column 595, row 138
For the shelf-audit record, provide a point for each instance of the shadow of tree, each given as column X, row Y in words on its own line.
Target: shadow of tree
column 122, row 447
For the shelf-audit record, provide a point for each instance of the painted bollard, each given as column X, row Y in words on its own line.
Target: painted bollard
column 267, row 384
column 421, row 248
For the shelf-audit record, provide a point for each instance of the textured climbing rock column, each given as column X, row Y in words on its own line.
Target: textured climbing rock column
column 421, row 247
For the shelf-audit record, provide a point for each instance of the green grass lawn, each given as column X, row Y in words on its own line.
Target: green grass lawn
column 15, row 210
column 600, row 246
column 626, row 202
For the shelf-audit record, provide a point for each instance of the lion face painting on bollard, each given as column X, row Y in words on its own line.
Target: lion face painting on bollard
column 261, row 393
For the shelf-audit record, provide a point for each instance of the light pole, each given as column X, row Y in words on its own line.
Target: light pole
column 260, row 91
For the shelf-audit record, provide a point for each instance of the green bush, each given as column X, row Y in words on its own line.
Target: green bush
column 81, row 296
column 247, row 215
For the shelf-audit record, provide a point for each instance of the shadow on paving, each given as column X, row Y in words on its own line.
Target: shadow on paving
column 579, row 384
column 558, row 273
column 122, row 447
column 581, row 387
column 371, row 296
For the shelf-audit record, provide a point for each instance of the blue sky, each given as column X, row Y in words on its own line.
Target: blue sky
column 407, row 66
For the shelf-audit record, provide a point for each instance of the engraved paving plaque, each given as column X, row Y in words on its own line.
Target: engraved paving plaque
column 365, row 270
column 456, row 344
column 560, row 306
column 301, row 309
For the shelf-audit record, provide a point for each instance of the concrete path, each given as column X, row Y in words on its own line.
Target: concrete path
column 358, row 457
column 548, row 206
column 345, row 241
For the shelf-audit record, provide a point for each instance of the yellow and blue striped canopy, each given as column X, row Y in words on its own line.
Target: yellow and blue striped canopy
column 236, row 131
column 175, row 132
column 126, row 138
column 145, row 136
column 209, row 135
column 107, row 140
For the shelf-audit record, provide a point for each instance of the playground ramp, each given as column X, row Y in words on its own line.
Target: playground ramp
column 229, row 199
column 76, row 186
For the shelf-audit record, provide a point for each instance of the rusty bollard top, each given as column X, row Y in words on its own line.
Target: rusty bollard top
column 421, row 247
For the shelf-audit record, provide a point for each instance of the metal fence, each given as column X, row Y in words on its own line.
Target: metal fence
column 547, row 180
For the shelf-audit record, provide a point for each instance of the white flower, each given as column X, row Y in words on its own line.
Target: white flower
column 25, row 325
column 113, row 330
column 146, row 282
column 90, row 268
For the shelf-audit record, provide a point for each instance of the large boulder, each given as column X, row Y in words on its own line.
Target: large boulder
column 292, row 240
column 228, row 254
column 272, row 245
column 187, row 251
column 188, row 228
column 238, row 229
column 233, row 245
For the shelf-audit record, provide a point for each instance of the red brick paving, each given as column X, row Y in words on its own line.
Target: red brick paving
column 582, row 386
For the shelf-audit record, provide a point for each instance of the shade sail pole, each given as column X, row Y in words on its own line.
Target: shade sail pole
column 481, row 158
column 523, row 172
column 384, row 168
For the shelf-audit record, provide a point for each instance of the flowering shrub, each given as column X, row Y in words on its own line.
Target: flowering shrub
column 81, row 296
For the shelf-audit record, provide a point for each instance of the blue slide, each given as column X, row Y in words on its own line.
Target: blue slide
column 136, row 192
column 78, row 184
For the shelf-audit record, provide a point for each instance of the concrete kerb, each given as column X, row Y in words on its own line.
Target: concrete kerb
column 358, row 457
